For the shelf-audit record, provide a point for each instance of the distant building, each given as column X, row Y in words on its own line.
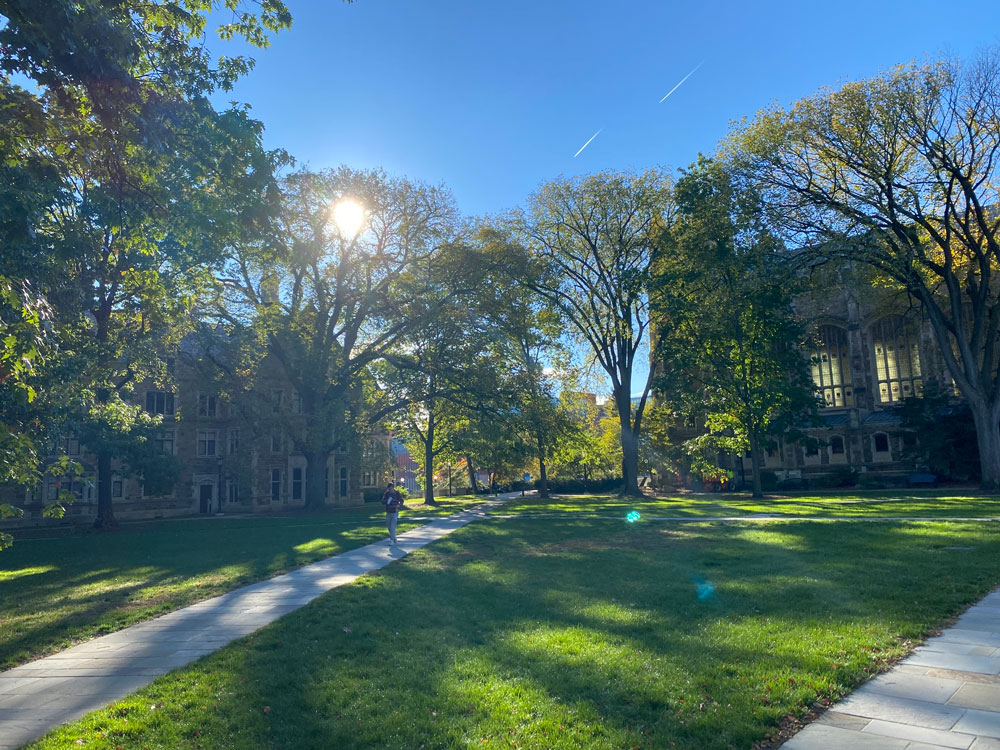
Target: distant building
column 405, row 468
column 233, row 456
column 870, row 353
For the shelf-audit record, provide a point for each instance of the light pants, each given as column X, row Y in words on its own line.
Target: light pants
column 391, row 519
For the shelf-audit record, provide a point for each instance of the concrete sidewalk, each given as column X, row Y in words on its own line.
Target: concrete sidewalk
column 42, row 694
column 944, row 695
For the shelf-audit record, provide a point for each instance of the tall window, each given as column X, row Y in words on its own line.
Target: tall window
column 831, row 367
column 206, row 442
column 72, row 446
column 343, row 481
column 165, row 442
column 277, row 398
column 296, row 483
column 206, row 405
column 275, row 485
column 897, row 360
column 234, row 441
column 296, row 402
column 160, row 402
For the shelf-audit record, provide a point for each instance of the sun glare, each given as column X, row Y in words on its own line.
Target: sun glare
column 348, row 216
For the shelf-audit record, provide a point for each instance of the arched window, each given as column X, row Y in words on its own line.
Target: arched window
column 897, row 360
column 831, row 367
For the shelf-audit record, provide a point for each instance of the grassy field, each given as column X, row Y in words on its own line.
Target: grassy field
column 887, row 504
column 577, row 631
column 66, row 586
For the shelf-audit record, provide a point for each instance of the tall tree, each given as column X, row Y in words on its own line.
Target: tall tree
column 528, row 338
column 900, row 172
column 151, row 180
column 327, row 301
column 731, row 349
column 590, row 242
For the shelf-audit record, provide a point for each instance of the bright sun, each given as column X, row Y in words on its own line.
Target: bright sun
column 348, row 216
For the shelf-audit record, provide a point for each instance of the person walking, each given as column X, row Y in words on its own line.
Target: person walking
column 393, row 503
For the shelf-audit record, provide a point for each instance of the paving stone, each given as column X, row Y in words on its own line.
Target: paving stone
column 844, row 721
column 951, row 647
column 974, row 677
column 985, row 743
column 901, row 710
column 969, row 635
column 915, row 687
column 10, row 684
column 963, row 663
column 919, row 734
column 826, row 737
column 984, row 697
column 980, row 722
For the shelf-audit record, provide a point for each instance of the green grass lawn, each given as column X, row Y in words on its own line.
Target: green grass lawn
column 65, row 587
column 899, row 504
column 574, row 632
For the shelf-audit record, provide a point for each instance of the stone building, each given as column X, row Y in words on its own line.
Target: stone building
column 872, row 349
column 232, row 456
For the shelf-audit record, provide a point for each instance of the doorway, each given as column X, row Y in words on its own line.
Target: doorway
column 205, row 492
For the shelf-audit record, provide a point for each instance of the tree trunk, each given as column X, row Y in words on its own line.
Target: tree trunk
column 543, row 480
column 316, row 478
column 473, row 484
column 988, row 435
column 630, row 445
column 429, row 463
column 105, row 509
column 758, row 491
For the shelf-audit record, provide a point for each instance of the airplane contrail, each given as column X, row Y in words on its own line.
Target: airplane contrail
column 587, row 143
column 681, row 82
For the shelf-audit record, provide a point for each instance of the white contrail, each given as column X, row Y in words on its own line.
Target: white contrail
column 587, row 143
column 681, row 82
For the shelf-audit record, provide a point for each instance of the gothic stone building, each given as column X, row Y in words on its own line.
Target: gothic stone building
column 232, row 457
column 872, row 350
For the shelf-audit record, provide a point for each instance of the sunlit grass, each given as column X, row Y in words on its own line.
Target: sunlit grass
column 573, row 632
column 66, row 587
column 901, row 504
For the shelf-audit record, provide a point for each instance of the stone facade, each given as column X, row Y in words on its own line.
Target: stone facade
column 234, row 457
column 872, row 350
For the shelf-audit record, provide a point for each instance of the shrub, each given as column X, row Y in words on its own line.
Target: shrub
column 873, row 481
column 374, row 494
column 768, row 481
column 583, row 485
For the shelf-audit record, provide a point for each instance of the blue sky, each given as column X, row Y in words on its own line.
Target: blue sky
column 494, row 98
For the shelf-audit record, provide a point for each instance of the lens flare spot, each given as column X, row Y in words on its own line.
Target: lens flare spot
column 706, row 590
column 632, row 516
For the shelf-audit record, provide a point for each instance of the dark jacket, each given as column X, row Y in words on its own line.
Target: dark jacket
column 392, row 500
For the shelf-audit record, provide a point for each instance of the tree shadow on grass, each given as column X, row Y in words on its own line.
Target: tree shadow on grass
column 583, row 634
column 122, row 579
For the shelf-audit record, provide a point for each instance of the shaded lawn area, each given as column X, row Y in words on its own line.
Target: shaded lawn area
column 898, row 504
column 580, row 632
column 55, row 591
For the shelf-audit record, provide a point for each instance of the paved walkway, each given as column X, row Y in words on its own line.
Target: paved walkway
column 42, row 694
column 944, row 695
